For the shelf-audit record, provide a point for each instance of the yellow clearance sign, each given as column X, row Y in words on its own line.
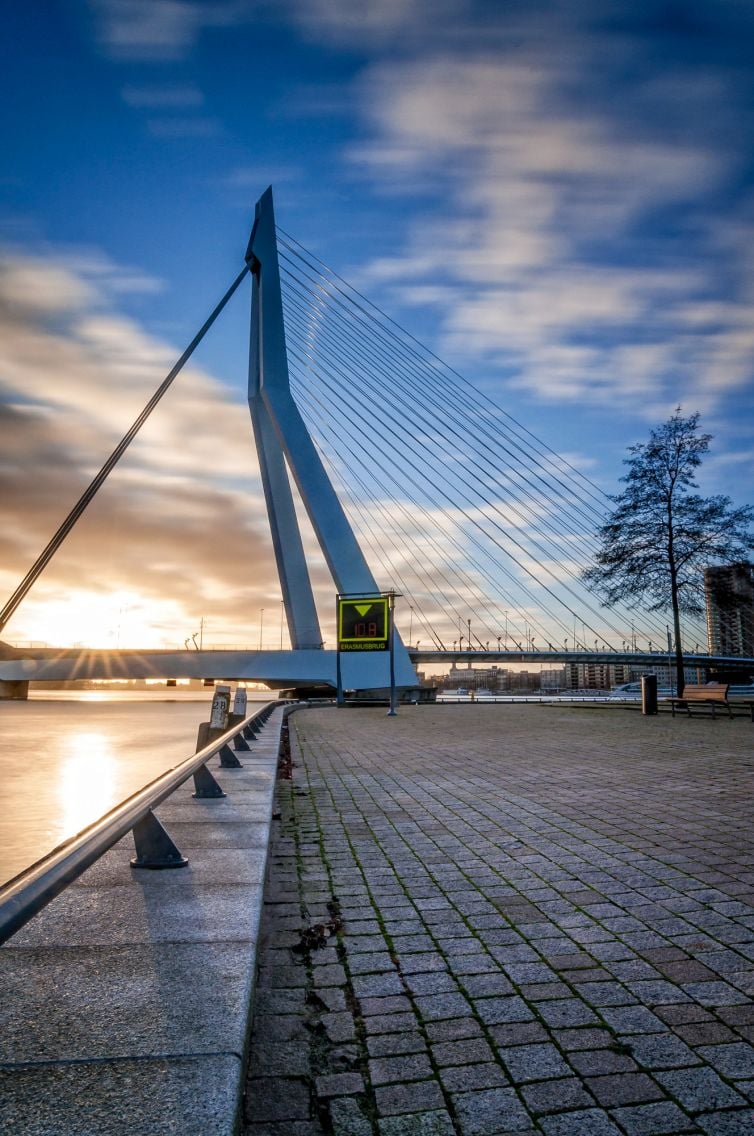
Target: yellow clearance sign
column 363, row 624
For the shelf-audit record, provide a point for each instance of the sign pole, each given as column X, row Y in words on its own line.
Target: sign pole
column 339, row 699
column 391, row 633
column 366, row 623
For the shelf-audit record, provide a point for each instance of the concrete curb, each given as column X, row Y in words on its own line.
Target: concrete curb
column 127, row 1000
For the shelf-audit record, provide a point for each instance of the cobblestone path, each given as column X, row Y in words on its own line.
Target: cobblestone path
column 508, row 919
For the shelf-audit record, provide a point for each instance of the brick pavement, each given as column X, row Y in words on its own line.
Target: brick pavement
column 516, row 919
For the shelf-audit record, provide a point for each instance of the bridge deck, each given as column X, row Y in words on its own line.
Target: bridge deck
column 547, row 926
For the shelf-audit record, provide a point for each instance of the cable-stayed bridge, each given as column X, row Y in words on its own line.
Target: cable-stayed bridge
column 412, row 482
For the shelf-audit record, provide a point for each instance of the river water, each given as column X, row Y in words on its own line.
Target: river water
column 67, row 757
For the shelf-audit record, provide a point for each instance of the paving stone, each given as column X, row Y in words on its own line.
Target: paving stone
column 390, row 1023
column 419, row 964
column 464, row 1078
column 737, row 1015
column 347, row 1118
column 496, row 1011
column 623, row 1088
column 556, row 1096
column 534, row 1062
column 339, row 1085
column 482, row 985
column 705, row 1033
column 278, row 1059
column 417, row 1096
column 735, row 1060
column 453, row 1029
column 339, row 1026
column 519, row 1033
column 464, row 1052
column 597, row 1062
column 699, row 1089
column 654, row 889
column 490, row 1112
column 633, row 1019
column 376, row 985
column 277, row 1099
column 289, row 1128
column 662, row 1051
column 660, row 1119
column 435, row 1123
column 728, row 1123
column 331, row 974
column 585, row 1038
column 567, row 1012
column 405, row 1067
column 392, row 1004
column 387, row 1044
column 370, row 962
column 584, row 1122
column 432, row 982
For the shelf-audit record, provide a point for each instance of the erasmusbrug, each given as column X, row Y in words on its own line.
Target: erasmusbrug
column 413, row 482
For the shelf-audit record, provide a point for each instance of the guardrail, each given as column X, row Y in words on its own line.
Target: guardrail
column 26, row 894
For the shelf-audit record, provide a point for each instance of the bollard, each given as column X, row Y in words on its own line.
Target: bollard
column 218, row 719
column 239, row 702
column 649, row 694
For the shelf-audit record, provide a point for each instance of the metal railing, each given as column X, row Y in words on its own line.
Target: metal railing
column 27, row 893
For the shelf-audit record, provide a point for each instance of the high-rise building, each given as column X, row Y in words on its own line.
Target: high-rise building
column 729, row 596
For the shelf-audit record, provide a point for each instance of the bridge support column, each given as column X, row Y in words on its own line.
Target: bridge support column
column 16, row 690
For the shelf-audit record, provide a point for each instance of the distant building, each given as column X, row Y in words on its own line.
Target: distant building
column 589, row 676
column 553, row 679
column 475, row 678
column 525, row 680
column 729, row 597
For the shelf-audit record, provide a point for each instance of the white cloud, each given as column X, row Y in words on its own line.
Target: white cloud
column 158, row 30
column 181, row 518
column 545, row 252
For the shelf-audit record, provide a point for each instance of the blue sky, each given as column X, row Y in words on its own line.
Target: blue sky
column 557, row 198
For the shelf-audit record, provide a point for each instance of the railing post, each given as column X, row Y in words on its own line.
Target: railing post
column 205, row 785
column 154, row 848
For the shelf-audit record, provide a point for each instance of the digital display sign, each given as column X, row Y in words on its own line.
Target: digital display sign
column 363, row 624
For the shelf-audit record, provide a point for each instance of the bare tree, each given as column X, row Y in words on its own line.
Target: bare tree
column 661, row 535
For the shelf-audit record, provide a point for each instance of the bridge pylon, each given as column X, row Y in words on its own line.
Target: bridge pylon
column 284, row 444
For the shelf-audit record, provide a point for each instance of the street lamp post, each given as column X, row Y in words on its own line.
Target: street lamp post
column 261, row 625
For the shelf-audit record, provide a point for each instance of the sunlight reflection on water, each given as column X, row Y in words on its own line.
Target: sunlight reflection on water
column 86, row 780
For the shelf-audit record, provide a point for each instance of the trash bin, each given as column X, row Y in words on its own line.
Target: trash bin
column 649, row 694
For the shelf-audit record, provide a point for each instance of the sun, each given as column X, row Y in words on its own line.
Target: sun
column 120, row 619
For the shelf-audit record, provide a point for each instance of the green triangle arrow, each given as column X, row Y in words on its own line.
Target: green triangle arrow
column 362, row 608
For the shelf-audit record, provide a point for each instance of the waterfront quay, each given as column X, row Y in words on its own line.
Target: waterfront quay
column 507, row 919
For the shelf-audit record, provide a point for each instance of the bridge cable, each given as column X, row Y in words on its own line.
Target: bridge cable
column 326, row 420
column 429, row 376
column 339, row 341
column 92, row 489
column 506, row 551
column 366, row 527
column 454, row 436
column 428, row 358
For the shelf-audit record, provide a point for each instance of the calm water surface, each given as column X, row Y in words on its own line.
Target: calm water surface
column 67, row 757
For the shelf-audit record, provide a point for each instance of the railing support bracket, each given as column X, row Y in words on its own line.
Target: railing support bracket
column 154, row 848
column 228, row 759
column 205, row 785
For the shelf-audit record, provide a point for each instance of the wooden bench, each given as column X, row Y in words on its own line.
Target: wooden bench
column 711, row 694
